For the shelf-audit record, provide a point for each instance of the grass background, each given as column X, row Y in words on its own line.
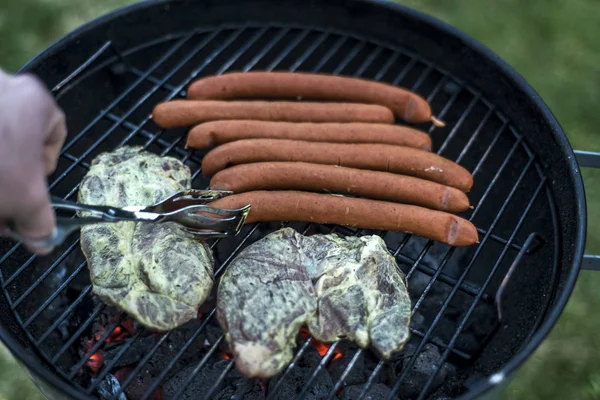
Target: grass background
column 554, row 44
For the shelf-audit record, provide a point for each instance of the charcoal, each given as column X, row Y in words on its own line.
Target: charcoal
column 213, row 333
column 295, row 382
column 310, row 358
column 482, row 322
column 138, row 349
column 139, row 385
column 200, row 384
column 418, row 322
column 109, row 387
column 370, row 363
column 420, row 372
column 377, row 391
column 241, row 389
column 356, row 375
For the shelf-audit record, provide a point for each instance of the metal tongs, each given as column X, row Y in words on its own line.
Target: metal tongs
column 181, row 208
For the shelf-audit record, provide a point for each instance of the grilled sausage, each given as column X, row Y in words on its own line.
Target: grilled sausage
column 216, row 133
column 273, row 206
column 377, row 157
column 260, row 84
column 183, row 113
column 342, row 180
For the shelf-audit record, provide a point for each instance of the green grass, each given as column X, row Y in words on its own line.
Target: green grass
column 554, row 44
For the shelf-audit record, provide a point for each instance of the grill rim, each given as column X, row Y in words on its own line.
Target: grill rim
column 573, row 177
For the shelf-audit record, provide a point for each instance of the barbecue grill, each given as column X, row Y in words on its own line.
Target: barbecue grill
column 478, row 312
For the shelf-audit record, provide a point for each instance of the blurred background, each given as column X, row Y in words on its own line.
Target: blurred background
column 554, row 44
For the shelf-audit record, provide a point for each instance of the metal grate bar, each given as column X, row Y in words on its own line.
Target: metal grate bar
column 241, row 51
column 81, row 329
column 214, row 387
column 140, row 365
column 110, row 365
column 149, row 135
column 349, row 57
column 151, row 92
column 197, row 369
column 276, row 39
column 465, row 288
column 422, row 78
column 54, row 295
column 489, row 149
column 458, row 124
column 437, row 89
column 103, row 113
column 96, row 346
column 404, row 71
column 120, row 98
column 69, row 310
column 345, row 374
column 368, row 61
column 303, row 34
column 445, row 109
column 484, row 286
column 82, row 67
column 461, row 279
column 338, row 44
column 477, row 208
column 371, row 379
column 443, row 345
column 318, row 369
column 290, row 366
column 44, row 275
column 151, row 78
column 177, row 356
column 309, row 51
column 475, row 134
column 18, row 271
column 386, row 67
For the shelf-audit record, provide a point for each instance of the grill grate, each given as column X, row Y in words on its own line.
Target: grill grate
column 477, row 132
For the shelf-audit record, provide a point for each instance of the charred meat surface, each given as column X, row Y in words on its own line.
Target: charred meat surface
column 152, row 271
column 340, row 287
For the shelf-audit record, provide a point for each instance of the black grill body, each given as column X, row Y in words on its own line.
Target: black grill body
column 528, row 194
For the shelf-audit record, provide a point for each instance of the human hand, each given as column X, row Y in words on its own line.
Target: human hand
column 32, row 132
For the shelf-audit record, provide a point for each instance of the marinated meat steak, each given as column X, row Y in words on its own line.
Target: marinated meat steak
column 340, row 287
column 263, row 299
column 154, row 272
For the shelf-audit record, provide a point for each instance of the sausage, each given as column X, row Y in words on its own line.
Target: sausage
column 405, row 104
column 342, row 180
column 274, row 206
column 377, row 157
column 183, row 113
column 216, row 133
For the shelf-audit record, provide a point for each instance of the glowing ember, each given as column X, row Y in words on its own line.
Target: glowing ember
column 122, row 331
column 322, row 348
column 95, row 362
column 226, row 355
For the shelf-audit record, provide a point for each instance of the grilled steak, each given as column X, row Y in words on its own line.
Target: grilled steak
column 152, row 271
column 340, row 287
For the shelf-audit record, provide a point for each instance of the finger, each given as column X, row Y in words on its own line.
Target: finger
column 57, row 132
column 39, row 222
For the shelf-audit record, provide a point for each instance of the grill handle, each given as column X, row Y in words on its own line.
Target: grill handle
column 592, row 160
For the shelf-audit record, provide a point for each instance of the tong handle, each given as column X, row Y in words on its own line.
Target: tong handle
column 104, row 213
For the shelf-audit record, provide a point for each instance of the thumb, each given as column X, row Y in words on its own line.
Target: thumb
column 39, row 222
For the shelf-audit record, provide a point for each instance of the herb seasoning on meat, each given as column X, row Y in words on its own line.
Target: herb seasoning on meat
column 340, row 287
column 152, row 271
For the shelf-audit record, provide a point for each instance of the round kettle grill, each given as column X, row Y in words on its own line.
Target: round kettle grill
column 478, row 312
